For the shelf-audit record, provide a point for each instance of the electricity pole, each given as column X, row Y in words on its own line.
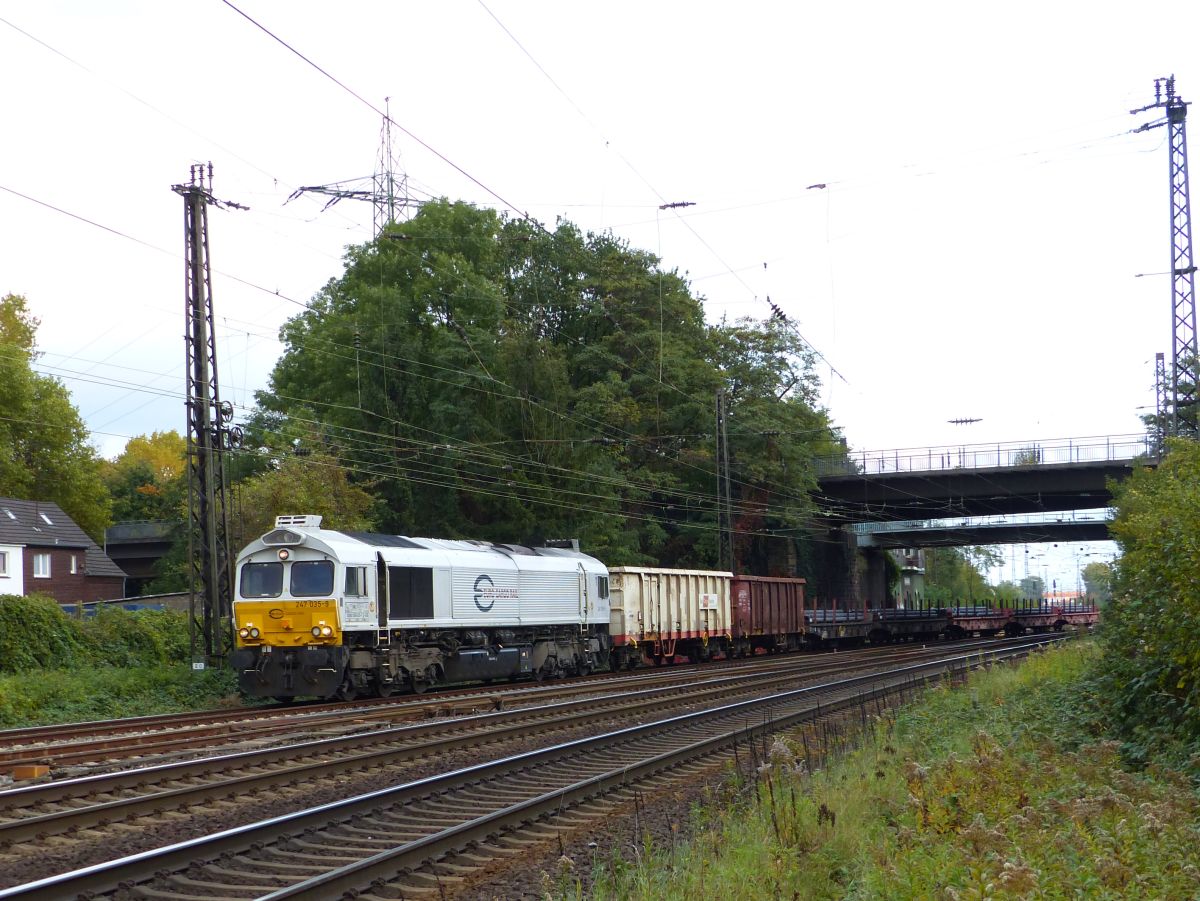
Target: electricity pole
column 725, row 558
column 209, row 432
column 1160, row 404
column 1185, row 362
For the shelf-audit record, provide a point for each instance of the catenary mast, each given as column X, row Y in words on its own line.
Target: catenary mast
column 1185, row 361
column 210, row 433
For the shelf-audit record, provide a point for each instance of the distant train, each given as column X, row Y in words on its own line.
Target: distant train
column 323, row 613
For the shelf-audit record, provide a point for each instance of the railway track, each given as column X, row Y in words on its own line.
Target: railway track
column 80, row 746
column 33, row 813
column 427, row 833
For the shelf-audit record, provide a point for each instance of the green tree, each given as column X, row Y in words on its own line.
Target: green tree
column 1007, row 594
column 952, row 576
column 44, row 449
column 312, row 483
column 1151, row 629
column 1032, row 587
column 1097, row 580
column 489, row 378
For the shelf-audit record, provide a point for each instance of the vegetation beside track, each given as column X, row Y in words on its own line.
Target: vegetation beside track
column 56, row 669
column 1007, row 788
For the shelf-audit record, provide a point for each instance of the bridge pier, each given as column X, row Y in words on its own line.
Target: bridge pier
column 850, row 574
column 874, row 577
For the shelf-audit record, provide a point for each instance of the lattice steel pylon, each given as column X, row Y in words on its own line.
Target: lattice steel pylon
column 386, row 190
column 209, row 432
column 1185, row 360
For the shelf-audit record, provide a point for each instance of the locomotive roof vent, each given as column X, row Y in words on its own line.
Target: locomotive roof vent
column 303, row 521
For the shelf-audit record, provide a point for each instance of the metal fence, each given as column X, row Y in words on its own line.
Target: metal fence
column 1106, row 449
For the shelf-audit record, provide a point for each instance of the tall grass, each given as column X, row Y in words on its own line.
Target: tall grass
column 1003, row 789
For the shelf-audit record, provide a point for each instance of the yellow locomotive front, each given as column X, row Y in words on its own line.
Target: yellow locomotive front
column 289, row 640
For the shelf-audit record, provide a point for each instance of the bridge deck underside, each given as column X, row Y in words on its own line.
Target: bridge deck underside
column 1039, row 488
column 1026, row 533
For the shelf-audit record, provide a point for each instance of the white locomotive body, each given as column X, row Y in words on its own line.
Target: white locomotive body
column 320, row 612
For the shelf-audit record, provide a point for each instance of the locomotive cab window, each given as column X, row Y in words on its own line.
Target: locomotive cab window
column 602, row 586
column 311, row 578
column 262, row 580
column 356, row 581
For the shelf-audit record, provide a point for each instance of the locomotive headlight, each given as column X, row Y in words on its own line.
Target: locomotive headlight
column 316, row 631
column 327, row 631
column 243, row 632
column 254, row 633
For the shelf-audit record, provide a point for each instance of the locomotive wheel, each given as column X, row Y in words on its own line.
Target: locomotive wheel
column 348, row 691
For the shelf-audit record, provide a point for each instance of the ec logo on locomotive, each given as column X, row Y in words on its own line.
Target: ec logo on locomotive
column 485, row 587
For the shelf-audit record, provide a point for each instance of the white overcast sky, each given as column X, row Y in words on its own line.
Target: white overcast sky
column 973, row 255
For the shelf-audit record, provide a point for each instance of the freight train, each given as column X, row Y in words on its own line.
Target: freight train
column 325, row 613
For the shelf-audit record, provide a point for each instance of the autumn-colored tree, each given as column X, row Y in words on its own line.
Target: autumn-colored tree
column 147, row 480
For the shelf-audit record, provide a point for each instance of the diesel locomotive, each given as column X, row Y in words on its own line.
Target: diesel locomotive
column 324, row 613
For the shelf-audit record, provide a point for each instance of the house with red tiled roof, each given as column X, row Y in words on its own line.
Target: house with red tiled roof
column 43, row 551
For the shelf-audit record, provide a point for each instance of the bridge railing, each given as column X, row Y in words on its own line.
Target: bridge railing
column 1103, row 449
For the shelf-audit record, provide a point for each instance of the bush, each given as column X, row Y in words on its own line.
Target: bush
column 1151, row 628
column 55, row 669
column 35, row 633
column 137, row 638
column 65, row 696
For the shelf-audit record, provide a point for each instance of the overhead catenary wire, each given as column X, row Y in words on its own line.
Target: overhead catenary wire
column 371, row 106
column 141, row 242
column 510, row 396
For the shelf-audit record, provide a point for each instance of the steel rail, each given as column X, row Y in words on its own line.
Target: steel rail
column 239, row 726
column 145, row 866
column 286, row 760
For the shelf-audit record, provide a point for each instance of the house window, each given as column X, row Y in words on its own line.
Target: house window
column 41, row 566
column 3, row 563
column 45, row 519
column 74, row 565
